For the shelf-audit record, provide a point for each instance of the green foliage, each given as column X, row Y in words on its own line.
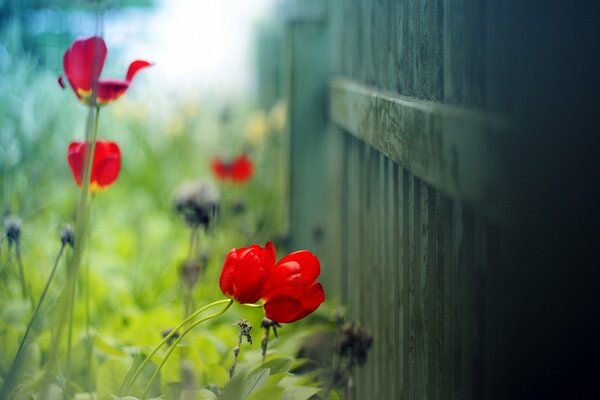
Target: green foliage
column 129, row 281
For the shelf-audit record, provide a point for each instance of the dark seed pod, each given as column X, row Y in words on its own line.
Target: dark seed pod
column 198, row 203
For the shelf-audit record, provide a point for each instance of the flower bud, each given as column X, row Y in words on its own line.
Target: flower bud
column 12, row 229
column 67, row 236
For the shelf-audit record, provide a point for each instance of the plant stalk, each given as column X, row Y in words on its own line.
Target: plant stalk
column 176, row 342
column 167, row 338
column 10, row 377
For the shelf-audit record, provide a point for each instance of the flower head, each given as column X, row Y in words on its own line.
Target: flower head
column 197, row 202
column 288, row 288
column 83, row 63
column 292, row 292
column 105, row 164
column 239, row 170
column 244, row 272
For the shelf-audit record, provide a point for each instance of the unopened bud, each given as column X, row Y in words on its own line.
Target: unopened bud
column 12, row 229
column 67, row 235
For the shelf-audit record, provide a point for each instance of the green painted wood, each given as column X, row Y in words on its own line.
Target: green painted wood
column 452, row 232
column 456, row 150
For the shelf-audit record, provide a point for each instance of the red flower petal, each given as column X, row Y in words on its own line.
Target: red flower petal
column 286, row 309
column 238, row 171
column 134, row 67
column 311, row 267
column 110, row 90
column 220, row 169
column 83, row 63
column 241, row 169
column 244, row 272
column 105, row 165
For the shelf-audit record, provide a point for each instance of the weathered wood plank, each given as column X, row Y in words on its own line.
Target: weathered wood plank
column 453, row 149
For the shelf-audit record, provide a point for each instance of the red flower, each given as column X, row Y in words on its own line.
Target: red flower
column 244, row 272
column 105, row 165
column 291, row 291
column 289, row 288
column 239, row 170
column 83, row 63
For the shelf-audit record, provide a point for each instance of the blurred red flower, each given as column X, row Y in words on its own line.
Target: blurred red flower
column 289, row 288
column 291, row 291
column 245, row 270
column 105, row 165
column 83, row 63
column 239, row 170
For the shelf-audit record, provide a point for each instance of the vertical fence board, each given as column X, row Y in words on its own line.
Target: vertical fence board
column 410, row 260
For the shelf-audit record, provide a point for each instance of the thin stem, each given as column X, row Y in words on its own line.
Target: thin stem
column 70, row 328
column 81, row 226
column 10, row 377
column 24, row 291
column 176, row 342
column 166, row 339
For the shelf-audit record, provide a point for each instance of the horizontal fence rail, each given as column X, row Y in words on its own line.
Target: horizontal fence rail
column 453, row 149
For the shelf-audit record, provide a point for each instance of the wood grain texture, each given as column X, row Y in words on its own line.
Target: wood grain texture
column 456, row 150
column 453, row 233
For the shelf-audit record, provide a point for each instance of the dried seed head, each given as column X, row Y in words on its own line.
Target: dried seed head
column 355, row 341
column 245, row 328
column 12, row 229
column 67, row 235
column 268, row 324
column 197, row 202
column 166, row 333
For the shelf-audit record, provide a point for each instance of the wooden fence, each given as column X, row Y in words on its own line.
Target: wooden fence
column 420, row 148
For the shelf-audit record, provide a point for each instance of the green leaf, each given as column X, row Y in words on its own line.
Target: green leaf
column 243, row 384
column 267, row 392
column 278, row 365
column 106, row 347
column 216, row 375
column 299, row 392
column 109, row 378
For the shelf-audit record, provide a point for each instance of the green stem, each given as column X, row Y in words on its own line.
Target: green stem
column 81, row 226
column 10, row 377
column 176, row 342
column 167, row 338
column 21, row 270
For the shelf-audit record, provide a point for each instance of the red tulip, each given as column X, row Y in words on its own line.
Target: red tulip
column 105, row 165
column 291, row 291
column 83, row 63
column 239, row 170
column 289, row 288
column 244, row 272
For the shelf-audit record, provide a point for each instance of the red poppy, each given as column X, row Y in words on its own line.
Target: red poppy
column 83, row 63
column 288, row 288
column 244, row 272
column 291, row 291
column 105, row 165
column 239, row 170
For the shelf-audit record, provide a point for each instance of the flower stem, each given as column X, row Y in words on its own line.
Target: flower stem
column 176, row 342
column 24, row 291
column 10, row 377
column 166, row 339
column 81, row 226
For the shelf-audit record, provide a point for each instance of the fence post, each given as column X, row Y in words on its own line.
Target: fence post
column 305, row 87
